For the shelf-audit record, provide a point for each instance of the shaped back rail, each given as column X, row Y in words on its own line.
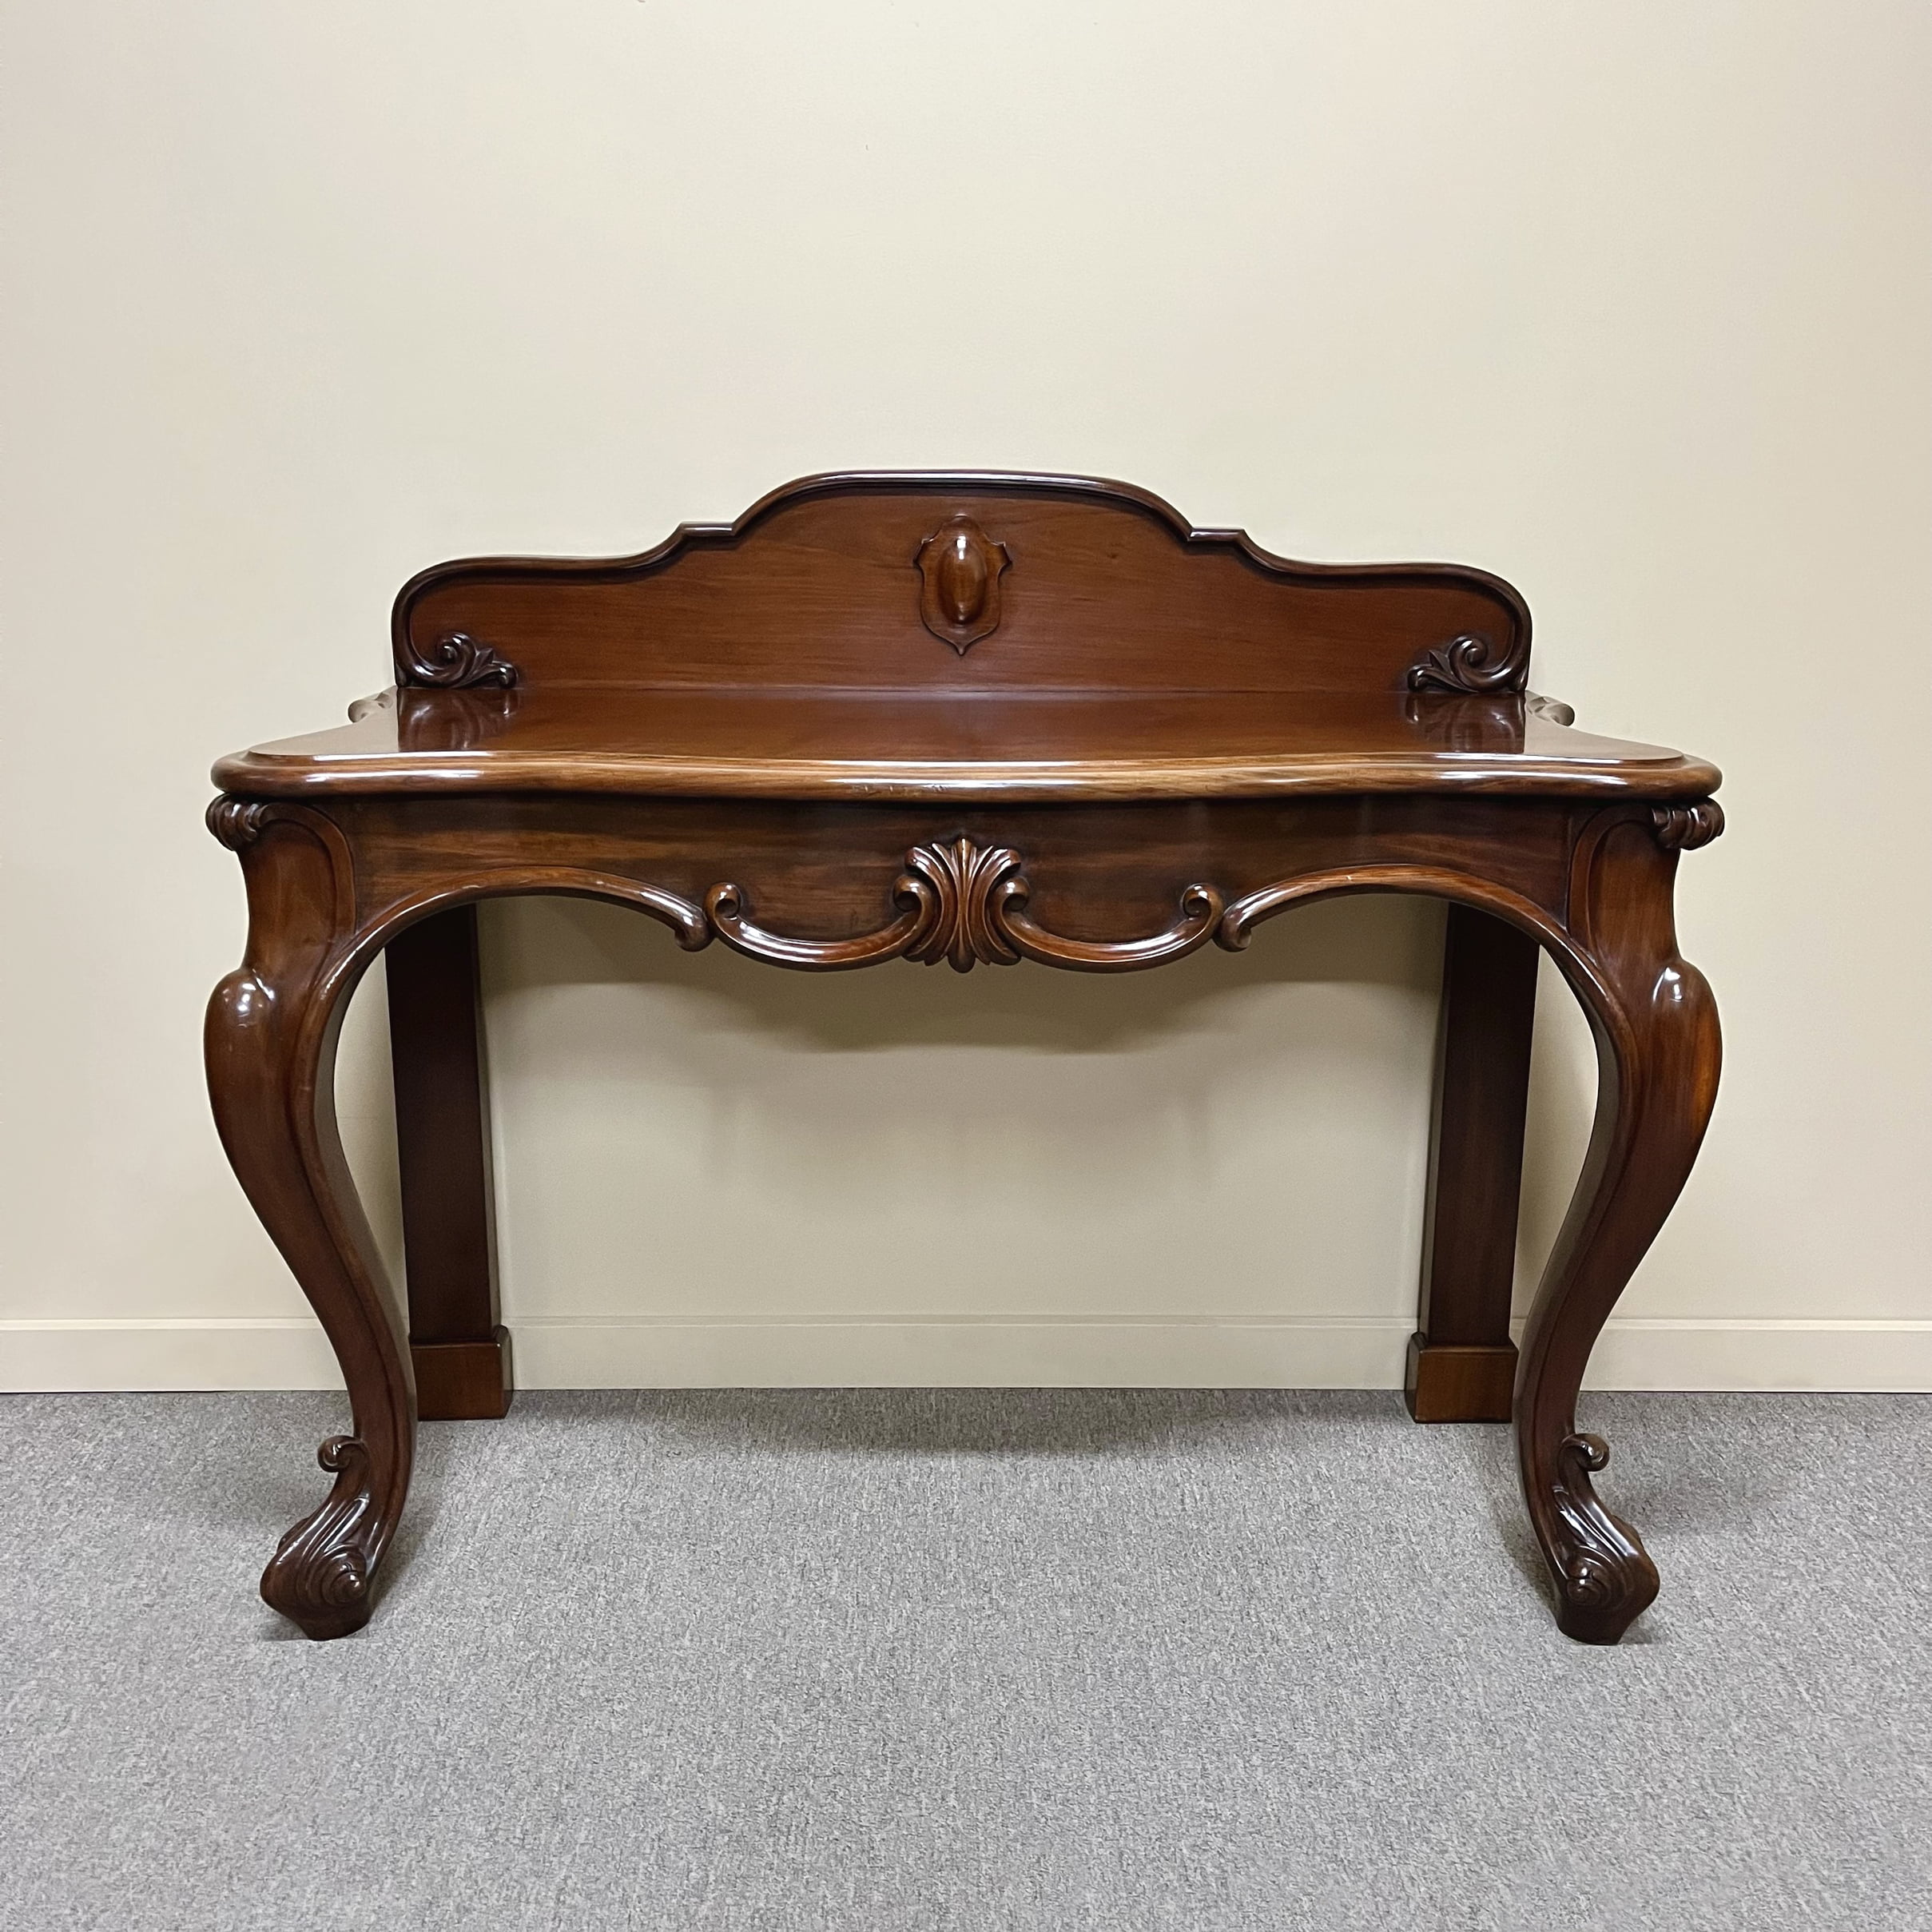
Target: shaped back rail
column 965, row 581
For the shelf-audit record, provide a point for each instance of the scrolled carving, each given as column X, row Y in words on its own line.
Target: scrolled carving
column 1201, row 909
column 960, row 569
column 962, row 885
column 1683, row 828
column 1605, row 1576
column 320, row 1573
column 456, row 661
column 1471, row 664
column 236, row 822
column 726, row 909
column 965, row 904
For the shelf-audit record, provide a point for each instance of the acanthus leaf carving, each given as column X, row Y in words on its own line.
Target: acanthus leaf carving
column 965, row 904
column 964, row 882
column 236, row 822
column 320, row 1573
column 1683, row 828
column 1605, row 1576
column 456, row 661
column 1471, row 664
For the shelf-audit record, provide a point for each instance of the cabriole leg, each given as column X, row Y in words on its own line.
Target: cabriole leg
column 1658, row 1053
column 270, row 1052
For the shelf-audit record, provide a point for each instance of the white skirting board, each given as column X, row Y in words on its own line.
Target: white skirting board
column 1634, row 1352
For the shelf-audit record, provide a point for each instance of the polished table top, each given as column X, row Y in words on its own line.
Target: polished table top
column 903, row 745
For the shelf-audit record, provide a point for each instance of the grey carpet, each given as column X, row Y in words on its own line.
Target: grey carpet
column 930, row 1659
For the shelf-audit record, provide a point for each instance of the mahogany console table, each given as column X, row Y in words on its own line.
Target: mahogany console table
column 975, row 718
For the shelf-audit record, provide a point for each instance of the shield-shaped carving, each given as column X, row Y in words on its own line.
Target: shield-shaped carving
column 960, row 569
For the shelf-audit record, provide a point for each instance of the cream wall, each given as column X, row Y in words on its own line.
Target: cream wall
column 1628, row 302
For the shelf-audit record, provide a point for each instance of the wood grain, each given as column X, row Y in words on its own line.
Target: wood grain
column 968, row 746
column 1461, row 1363
column 459, row 1348
column 1167, row 738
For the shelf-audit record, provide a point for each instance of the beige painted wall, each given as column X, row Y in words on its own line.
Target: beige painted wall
column 1628, row 302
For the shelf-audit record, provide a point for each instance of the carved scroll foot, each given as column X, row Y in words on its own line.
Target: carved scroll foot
column 321, row 1573
column 1604, row 1576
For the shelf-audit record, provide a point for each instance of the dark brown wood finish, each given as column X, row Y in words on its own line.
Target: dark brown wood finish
column 1461, row 1365
column 460, row 1350
column 777, row 734
column 1092, row 585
